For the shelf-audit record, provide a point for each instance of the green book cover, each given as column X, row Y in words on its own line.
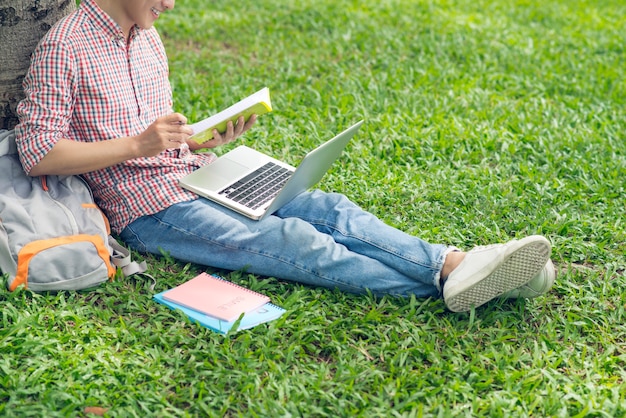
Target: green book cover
column 255, row 104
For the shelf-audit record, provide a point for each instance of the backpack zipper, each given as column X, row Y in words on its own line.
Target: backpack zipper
column 66, row 210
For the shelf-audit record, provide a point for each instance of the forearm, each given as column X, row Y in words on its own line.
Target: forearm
column 73, row 157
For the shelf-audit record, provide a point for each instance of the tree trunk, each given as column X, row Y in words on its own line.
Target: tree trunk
column 22, row 24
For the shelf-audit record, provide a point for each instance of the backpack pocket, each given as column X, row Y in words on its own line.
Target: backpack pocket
column 64, row 263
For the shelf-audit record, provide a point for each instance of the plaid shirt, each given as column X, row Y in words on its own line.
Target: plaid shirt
column 86, row 83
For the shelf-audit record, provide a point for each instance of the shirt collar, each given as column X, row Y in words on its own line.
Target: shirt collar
column 105, row 23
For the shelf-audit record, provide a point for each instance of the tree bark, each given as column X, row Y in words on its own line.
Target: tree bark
column 22, row 25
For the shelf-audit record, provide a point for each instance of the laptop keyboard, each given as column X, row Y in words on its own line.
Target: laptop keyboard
column 258, row 187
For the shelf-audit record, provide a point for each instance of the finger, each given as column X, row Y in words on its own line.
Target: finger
column 176, row 139
column 181, row 129
column 230, row 131
column 187, row 130
column 239, row 127
column 176, row 119
column 177, row 131
column 249, row 123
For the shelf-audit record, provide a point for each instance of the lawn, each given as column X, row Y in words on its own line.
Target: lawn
column 486, row 120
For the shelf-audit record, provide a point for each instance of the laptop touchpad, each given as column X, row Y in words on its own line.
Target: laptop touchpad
column 218, row 174
column 229, row 169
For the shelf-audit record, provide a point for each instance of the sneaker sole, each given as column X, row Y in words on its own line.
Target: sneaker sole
column 546, row 277
column 516, row 270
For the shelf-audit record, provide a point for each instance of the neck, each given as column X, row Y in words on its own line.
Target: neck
column 115, row 10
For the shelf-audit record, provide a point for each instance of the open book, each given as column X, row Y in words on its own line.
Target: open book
column 256, row 104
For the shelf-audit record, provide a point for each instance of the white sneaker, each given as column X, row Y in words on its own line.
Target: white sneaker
column 489, row 271
column 537, row 286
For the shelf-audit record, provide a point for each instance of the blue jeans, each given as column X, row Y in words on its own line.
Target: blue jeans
column 319, row 239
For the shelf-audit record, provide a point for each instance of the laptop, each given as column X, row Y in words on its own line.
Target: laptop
column 257, row 185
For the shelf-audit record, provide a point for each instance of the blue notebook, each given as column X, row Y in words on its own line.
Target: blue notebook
column 265, row 313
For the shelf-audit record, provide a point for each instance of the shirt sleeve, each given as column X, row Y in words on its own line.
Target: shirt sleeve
column 46, row 111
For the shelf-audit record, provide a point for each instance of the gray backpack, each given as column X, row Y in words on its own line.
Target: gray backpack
column 52, row 234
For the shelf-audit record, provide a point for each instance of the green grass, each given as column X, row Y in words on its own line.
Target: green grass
column 485, row 120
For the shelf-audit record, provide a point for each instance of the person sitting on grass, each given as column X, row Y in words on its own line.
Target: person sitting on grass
column 99, row 104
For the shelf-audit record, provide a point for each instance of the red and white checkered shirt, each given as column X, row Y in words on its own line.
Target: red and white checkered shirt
column 87, row 84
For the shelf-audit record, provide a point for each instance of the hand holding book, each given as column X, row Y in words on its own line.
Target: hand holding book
column 234, row 129
column 216, row 130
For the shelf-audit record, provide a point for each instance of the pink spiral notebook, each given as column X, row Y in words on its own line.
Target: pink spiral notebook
column 215, row 297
